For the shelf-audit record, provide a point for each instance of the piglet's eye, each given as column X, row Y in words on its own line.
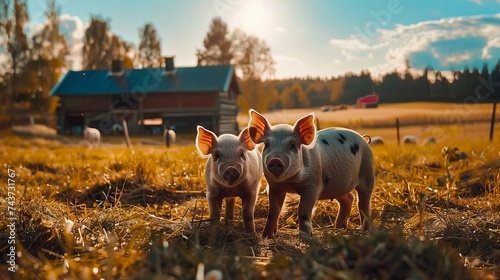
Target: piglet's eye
column 242, row 155
column 216, row 156
column 292, row 147
column 266, row 145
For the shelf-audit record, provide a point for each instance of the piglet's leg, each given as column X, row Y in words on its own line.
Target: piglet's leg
column 306, row 204
column 276, row 200
column 215, row 205
column 248, row 202
column 229, row 214
column 345, row 206
column 364, row 208
column 365, row 189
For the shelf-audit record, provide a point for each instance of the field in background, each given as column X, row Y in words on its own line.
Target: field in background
column 444, row 121
column 441, row 120
column 115, row 213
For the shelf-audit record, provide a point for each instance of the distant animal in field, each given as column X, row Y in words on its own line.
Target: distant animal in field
column 429, row 141
column 325, row 164
column 117, row 129
column 169, row 137
column 377, row 140
column 92, row 136
column 410, row 139
column 233, row 169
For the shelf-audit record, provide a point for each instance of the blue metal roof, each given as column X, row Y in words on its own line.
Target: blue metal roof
column 147, row 80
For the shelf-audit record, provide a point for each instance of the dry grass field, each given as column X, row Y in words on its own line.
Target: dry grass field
column 117, row 213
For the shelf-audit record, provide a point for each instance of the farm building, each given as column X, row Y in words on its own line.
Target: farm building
column 149, row 99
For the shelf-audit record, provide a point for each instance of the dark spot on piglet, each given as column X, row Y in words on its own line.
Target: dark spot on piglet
column 304, row 218
column 354, row 148
column 341, row 138
column 324, row 141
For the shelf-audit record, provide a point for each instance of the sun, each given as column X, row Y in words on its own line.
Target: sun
column 254, row 17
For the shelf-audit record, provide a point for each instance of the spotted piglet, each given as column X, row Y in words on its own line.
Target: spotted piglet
column 234, row 168
column 325, row 164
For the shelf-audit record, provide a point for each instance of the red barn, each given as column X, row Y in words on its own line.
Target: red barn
column 149, row 99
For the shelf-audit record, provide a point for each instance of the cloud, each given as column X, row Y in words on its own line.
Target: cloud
column 456, row 58
column 292, row 61
column 479, row 2
column 451, row 42
column 290, row 66
column 493, row 43
column 73, row 30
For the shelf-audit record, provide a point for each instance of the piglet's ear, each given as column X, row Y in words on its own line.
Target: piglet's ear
column 306, row 129
column 205, row 140
column 258, row 126
column 246, row 140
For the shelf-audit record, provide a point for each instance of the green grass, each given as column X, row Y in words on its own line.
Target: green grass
column 114, row 213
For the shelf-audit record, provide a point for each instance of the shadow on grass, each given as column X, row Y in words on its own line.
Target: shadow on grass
column 126, row 192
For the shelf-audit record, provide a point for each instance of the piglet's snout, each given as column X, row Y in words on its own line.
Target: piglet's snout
column 276, row 166
column 231, row 175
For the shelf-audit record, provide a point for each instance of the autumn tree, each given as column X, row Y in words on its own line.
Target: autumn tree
column 13, row 18
column 217, row 45
column 101, row 47
column 97, row 45
column 294, row 97
column 252, row 57
column 127, row 54
column 122, row 50
column 258, row 95
column 149, row 47
column 47, row 62
column 253, row 62
column 336, row 89
column 272, row 96
column 286, row 99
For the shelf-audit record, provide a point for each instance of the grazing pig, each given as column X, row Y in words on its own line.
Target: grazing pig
column 410, row 139
column 327, row 164
column 377, row 140
column 117, row 129
column 234, row 168
column 92, row 135
column 169, row 137
column 429, row 141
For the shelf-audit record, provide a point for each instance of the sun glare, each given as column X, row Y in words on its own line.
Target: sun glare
column 253, row 17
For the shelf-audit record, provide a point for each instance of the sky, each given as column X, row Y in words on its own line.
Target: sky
column 318, row 38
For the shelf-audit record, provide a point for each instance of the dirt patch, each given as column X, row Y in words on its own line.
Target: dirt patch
column 127, row 192
column 40, row 167
column 35, row 131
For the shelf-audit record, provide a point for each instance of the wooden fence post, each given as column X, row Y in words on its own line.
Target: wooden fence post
column 397, row 129
column 125, row 132
column 492, row 124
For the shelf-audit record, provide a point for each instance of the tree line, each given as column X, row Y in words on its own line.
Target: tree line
column 429, row 86
column 35, row 63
